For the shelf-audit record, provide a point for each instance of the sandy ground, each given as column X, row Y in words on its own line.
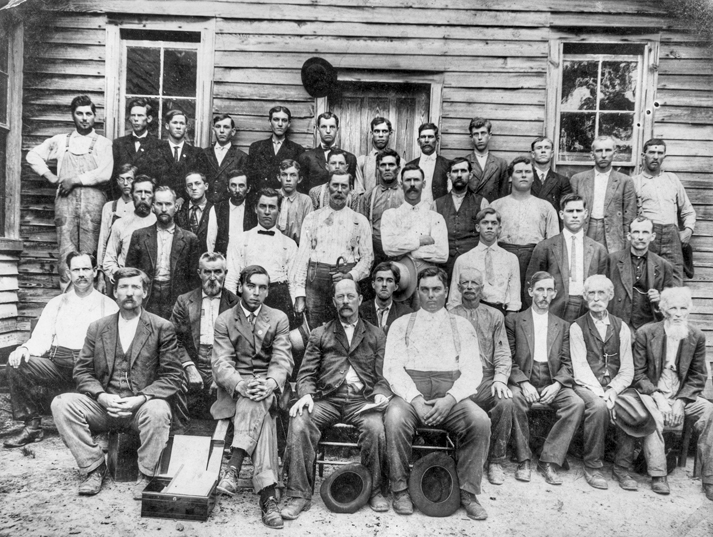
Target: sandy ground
column 38, row 497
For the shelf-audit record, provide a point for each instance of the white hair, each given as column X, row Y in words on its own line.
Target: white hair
column 671, row 293
column 599, row 279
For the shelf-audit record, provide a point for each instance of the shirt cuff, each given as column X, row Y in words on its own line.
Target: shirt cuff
column 499, row 377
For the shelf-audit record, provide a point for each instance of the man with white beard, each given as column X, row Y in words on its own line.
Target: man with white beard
column 670, row 366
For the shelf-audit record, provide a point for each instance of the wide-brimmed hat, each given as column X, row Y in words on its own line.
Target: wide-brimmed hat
column 347, row 489
column 319, row 77
column 300, row 336
column 433, row 485
column 407, row 280
column 632, row 415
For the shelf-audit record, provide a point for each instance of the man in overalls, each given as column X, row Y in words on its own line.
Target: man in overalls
column 432, row 364
column 84, row 164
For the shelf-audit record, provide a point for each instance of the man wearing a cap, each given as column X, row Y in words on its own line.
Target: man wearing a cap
column 670, row 366
column 432, row 364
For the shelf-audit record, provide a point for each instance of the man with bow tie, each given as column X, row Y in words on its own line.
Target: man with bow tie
column 132, row 148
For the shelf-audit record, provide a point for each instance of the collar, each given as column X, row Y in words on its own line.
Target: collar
column 538, row 315
column 429, row 317
column 170, row 230
column 221, row 147
column 456, row 195
column 642, row 257
column 493, row 247
column 144, row 135
column 179, row 146
column 387, row 307
column 604, row 321
column 418, row 207
column 483, row 157
column 327, row 147
column 273, row 228
column 605, row 174
column 201, row 206
column 275, row 141
column 247, row 313
column 392, row 186
column 568, row 234
column 373, row 152
column 346, row 326
column 541, row 173
column 216, row 297
column 431, row 157
column 647, row 175
column 76, row 133
column 293, row 197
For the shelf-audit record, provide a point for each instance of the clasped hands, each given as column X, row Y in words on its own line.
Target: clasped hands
column 257, row 388
column 433, row 411
column 546, row 397
column 673, row 415
column 120, row 407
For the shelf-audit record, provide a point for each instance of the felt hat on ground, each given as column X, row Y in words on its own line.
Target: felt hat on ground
column 632, row 415
column 319, row 77
column 347, row 489
column 300, row 336
column 433, row 485
column 408, row 279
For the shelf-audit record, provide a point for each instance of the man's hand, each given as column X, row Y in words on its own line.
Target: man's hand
column 381, row 400
column 426, row 240
column 263, row 388
column 530, row 393
column 179, row 204
column 304, row 401
column 195, row 381
column 339, row 276
column 299, row 304
column 663, row 406
column 67, row 184
column 609, row 400
column 128, row 405
column 101, row 283
column 548, row 394
column 501, row 390
column 17, row 356
column 654, row 296
column 109, row 402
column 242, row 389
column 441, row 408
column 421, row 407
column 685, row 235
column 677, row 413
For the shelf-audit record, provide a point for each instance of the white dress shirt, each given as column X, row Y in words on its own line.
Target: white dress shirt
column 576, row 272
column 236, row 217
column 164, row 239
column 210, row 308
column 660, row 198
column 482, row 159
column 403, row 227
column 127, row 331
column 174, row 146
column 540, row 322
column 601, row 180
column 138, row 139
column 220, row 151
column 351, row 378
column 428, row 164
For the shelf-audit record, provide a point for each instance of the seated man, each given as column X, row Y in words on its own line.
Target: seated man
column 432, row 364
column 47, row 359
column 252, row 360
column 340, row 373
column 493, row 394
column 541, row 373
column 600, row 346
column 384, row 310
column 126, row 375
column 670, row 366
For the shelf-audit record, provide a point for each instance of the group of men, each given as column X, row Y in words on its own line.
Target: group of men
column 530, row 288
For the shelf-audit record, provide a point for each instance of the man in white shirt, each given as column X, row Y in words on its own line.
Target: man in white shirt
column 48, row 357
column 432, row 364
column 84, row 164
column 230, row 217
column 434, row 166
column 366, row 176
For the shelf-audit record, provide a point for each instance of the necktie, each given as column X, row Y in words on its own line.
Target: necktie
column 381, row 312
column 489, row 271
column 176, row 156
column 193, row 219
column 251, row 319
column 573, row 260
column 263, row 232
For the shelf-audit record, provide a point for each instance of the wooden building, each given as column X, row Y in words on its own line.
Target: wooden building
column 529, row 67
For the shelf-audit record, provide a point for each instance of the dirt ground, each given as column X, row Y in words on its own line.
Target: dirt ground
column 38, row 497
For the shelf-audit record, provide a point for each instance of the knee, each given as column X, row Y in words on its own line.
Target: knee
column 476, row 420
column 596, row 407
column 504, row 406
column 62, row 403
column 373, row 426
column 156, row 413
column 300, row 424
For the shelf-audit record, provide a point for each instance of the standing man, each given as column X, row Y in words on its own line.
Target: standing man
column 222, row 157
column 547, row 185
column 459, row 209
column 432, row 364
column 542, row 373
column 84, row 165
column 661, row 198
column 434, row 166
column 366, row 176
column 490, row 176
column 314, row 161
column 610, row 196
column 194, row 215
column 638, row 276
column 336, row 161
column 340, row 373
column 382, row 311
column 126, row 374
column 229, row 218
column 47, row 358
column 500, row 268
column 132, row 148
column 493, row 394
column 295, row 205
column 265, row 156
column 569, row 258
column 167, row 254
column 252, row 361
column 335, row 244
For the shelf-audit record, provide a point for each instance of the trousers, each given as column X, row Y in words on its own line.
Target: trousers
column 500, row 411
column 667, row 244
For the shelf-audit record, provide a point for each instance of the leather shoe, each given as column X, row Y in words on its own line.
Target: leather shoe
column 402, row 503
column 496, row 474
column 92, row 483
column 294, row 507
column 141, row 483
column 708, row 489
column 27, row 436
column 229, row 484
column 523, row 472
column 549, row 473
column 378, row 503
column 660, row 485
column 271, row 514
column 624, row 478
column 472, row 508
column 595, row 478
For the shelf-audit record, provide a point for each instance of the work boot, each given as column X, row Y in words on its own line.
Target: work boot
column 624, row 478
column 294, row 507
column 595, row 478
column 472, row 508
column 402, row 503
column 378, row 503
column 229, row 484
column 92, row 483
column 496, row 474
column 271, row 514
column 550, row 474
column 523, row 472
column 660, row 485
column 141, row 483
column 32, row 432
column 708, row 489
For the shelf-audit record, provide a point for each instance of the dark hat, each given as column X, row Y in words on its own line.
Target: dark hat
column 632, row 415
column 688, row 267
column 408, row 279
column 300, row 336
column 347, row 489
column 319, row 77
column 433, row 485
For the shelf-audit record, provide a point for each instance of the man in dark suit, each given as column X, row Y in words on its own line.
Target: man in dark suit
column 434, row 166
column 670, row 367
column 542, row 373
column 222, row 157
column 167, row 254
column 570, row 257
column 265, row 156
column 194, row 215
column 548, row 185
column 314, row 161
column 252, row 360
column 639, row 276
column 490, row 176
column 194, row 315
column 126, row 375
column 384, row 310
column 341, row 372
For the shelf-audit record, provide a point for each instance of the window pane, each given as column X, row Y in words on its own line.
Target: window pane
column 143, row 67
column 621, row 128
column 186, row 105
column 618, row 91
column 579, row 85
column 179, row 68
column 576, row 136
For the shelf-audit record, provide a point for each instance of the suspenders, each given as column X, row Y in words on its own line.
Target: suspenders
column 454, row 329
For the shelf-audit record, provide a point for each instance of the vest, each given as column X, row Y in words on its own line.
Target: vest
column 222, row 216
column 119, row 382
column 602, row 356
column 462, row 236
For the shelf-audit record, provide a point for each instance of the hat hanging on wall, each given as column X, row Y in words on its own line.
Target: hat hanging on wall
column 319, row 77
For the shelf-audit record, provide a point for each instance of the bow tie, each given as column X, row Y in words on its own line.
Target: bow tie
column 263, row 232
column 138, row 138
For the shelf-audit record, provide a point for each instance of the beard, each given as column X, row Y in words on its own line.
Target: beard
column 142, row 209
column 676, row 331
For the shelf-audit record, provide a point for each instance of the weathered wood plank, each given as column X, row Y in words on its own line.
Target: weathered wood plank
column 683, row 131
column 63, row 67
column 59, row 98
column 69, row 52
column 686, row 67
column 494, row 96
column 463, row 142
column 681, row 114
column 73, row 37
column 690, row 98
column 687, row 148
column 458, row 126
column 231, row 106
column 514, row 112
column 685, row 82
column 684, row 52
column 495, row 80
column 261, row 92
column 574, row 19
column 65, row 83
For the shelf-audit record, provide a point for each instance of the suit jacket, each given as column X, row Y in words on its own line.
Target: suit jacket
column 183, row 219
column 328, row 356
column 155, row 368
column 143, row 254
column 217, row 174
column 367, row 311
column 650, row 357
column 440, row 176
column 620, row 272
column 521, row 336
column 551, row 255
column 241, row 351
column 619, row 205
column 314, row 168
column 555, row 186
column 493, row 181
column 124, row 152
column 186, row 319
column 264, row 165
column 160, row 164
